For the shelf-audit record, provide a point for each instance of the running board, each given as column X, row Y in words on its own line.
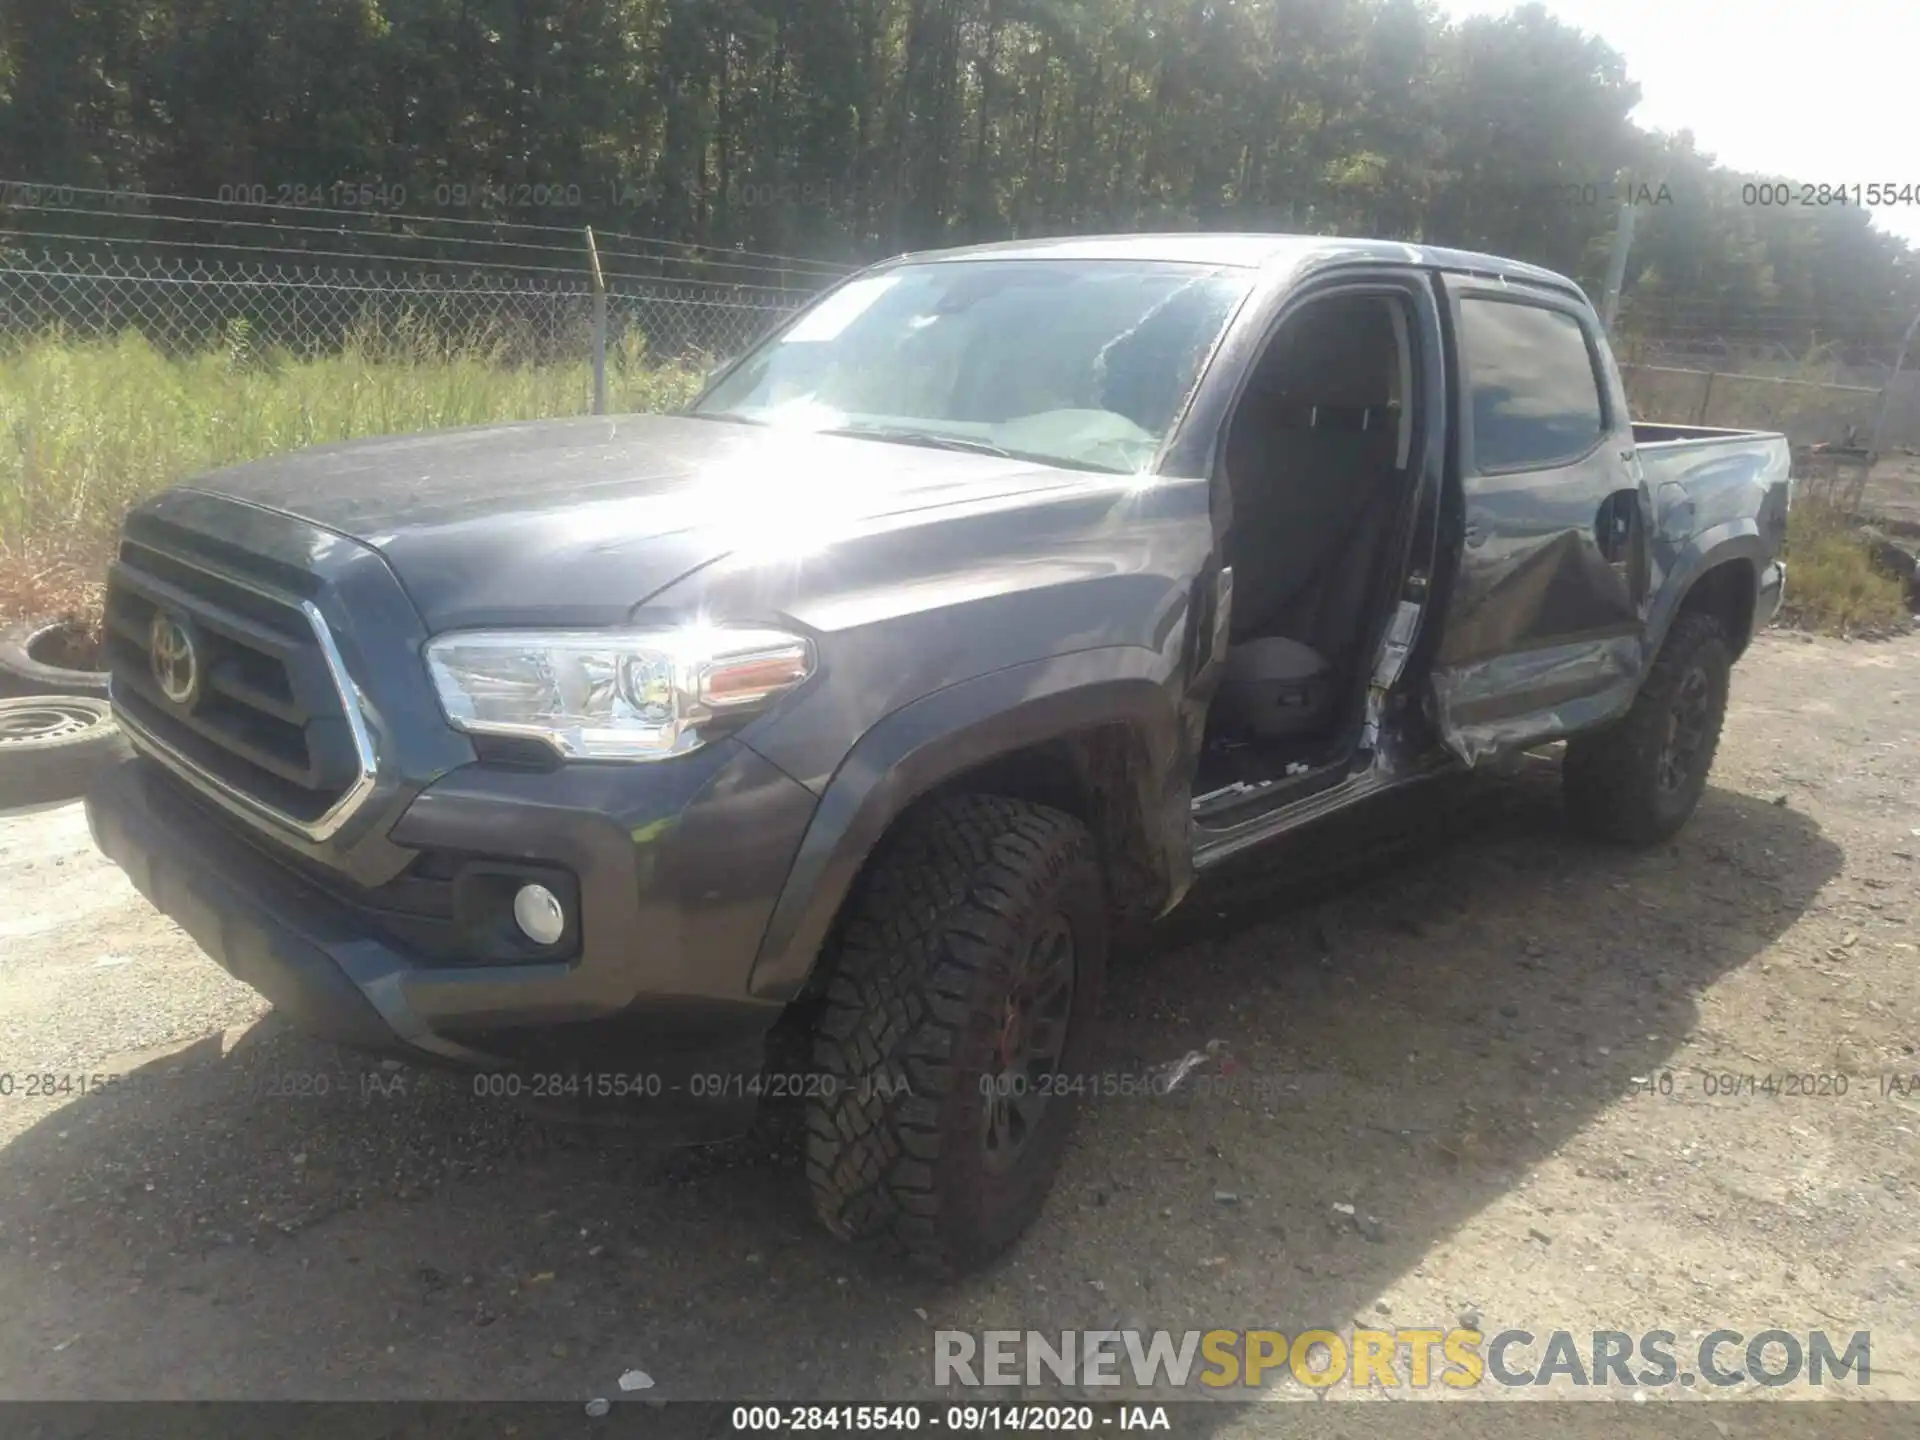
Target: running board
column 1213, row 844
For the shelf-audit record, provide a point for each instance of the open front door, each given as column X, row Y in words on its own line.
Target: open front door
column 1544, row 617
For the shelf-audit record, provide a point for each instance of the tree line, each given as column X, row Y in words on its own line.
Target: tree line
column 850, row 129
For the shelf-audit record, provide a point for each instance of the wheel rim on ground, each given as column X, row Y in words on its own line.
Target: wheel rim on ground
column 1033, row 1036
column 1687, row 721
column 44, row 720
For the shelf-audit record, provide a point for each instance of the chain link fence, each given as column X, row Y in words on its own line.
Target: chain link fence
column 1817, row 392
column 200, row 304
column 1808, row 412
column 525, row 316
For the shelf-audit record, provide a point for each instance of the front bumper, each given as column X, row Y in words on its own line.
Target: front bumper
column 678, row 867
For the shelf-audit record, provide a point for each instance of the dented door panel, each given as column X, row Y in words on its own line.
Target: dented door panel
column 1502, row 703
column 1546, row 611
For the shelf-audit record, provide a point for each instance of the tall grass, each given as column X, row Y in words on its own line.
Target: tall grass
column 1832, row 584
column 88, row 427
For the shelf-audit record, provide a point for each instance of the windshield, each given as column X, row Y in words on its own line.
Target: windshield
column 1072, row 362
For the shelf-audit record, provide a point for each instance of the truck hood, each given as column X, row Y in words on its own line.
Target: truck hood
column 575, row 522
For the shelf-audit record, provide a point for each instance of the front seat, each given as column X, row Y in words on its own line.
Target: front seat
column 1273, row 688
column 1311, row 460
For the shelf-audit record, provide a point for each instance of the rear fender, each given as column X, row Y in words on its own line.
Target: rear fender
column 1734, row 542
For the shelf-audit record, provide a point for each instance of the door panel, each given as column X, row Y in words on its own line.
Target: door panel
column 1544, row 617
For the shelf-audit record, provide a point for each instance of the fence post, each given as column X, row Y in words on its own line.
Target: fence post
column 599, row 328
column 1617, row 267
column 1706, row 398
column 1886, row 393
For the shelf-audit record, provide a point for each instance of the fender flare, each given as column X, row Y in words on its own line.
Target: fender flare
column 1708, row 551
column 915, row 749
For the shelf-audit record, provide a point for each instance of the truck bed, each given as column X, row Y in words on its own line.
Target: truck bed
column 1649, row 432
column 1708, row 485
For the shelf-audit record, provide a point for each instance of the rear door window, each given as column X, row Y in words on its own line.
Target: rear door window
column 1535, row 392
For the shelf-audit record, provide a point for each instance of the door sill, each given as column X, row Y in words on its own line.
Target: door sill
column 1244, row 798
column 1228, row 828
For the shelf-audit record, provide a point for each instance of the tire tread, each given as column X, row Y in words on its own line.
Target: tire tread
column 931, row 919
column 1609, row 777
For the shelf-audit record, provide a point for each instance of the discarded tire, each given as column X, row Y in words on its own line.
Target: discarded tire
column 51, row 747
column 47, row 656
column 1893, row 560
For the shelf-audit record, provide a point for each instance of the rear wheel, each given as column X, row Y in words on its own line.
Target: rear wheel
column 963, row 992
column 1639, row 780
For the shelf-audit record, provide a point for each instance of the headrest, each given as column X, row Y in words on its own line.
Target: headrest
column 1334, row 366
column 1286, row 413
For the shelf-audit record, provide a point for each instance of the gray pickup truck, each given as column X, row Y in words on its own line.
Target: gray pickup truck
column 964, row 620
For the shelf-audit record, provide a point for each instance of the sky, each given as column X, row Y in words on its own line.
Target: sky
column 1816, row 90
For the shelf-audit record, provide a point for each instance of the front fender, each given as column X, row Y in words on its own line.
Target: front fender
column 920, row 746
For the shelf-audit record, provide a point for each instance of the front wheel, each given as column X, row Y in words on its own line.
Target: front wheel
column 963, row 992
column 1638, row 780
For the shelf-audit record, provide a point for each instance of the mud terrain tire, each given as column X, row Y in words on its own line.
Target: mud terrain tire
column 969, row 965
column 1638, row 780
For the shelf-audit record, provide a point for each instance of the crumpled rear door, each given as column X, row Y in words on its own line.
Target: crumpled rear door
column 1545, row 617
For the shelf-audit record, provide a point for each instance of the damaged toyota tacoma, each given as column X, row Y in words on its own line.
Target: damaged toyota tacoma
column 963, row 621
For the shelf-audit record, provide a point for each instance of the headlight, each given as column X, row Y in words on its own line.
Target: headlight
column 612, row 694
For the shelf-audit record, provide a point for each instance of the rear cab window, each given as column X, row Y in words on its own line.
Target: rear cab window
column 1534, row 385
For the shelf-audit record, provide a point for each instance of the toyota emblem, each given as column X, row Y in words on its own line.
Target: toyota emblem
column 175, row 662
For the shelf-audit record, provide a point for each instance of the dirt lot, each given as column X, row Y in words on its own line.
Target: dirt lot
column 1445, row 1035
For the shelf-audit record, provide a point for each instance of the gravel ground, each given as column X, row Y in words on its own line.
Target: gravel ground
column 1438, row 1014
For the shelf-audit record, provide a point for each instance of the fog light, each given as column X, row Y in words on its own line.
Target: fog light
column 538, row 912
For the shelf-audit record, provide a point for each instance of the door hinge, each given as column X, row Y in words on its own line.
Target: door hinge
column 1213, row 614
column 1397, row 644
column 1399, row 640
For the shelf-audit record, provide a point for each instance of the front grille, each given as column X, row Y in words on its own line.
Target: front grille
column 265, row 716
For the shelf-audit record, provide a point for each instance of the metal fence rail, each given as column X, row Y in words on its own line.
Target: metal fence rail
column 546, row 315
column 1807, row 411
column 198, row 304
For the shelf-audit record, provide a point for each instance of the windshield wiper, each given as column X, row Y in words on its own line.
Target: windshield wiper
column 932, row 440
column 731, row 417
